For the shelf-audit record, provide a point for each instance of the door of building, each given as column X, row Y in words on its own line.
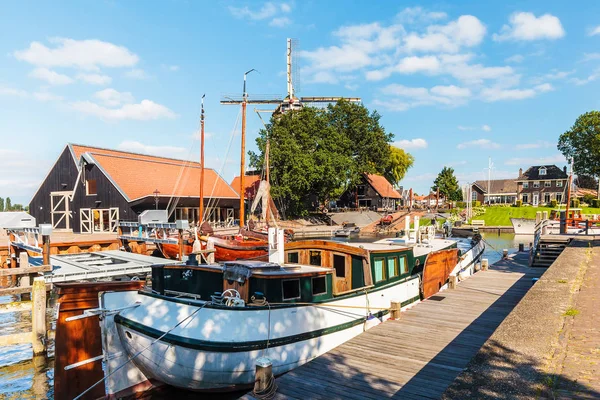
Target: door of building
column 86, row 220
column 60, row 214
column 536, row 199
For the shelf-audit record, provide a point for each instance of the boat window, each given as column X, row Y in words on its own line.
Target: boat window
column 291, row 289
column 392, row 267
column 379, row 269
column 315, row 258
column 403, row 266
column 293, row 257
column 339, row 263
column 319, row 285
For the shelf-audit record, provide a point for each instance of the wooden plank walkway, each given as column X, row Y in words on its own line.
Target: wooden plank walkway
column 420, row 355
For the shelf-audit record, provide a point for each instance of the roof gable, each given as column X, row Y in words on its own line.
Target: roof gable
column 382, row 186
column 139, row 175
column 498, row 186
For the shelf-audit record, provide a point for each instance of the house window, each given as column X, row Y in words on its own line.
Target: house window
column 379, row 269
column 558, row 197
column 525, row 185
column 293, row 257
column 542, row 171
column 536, row 184
column 525, row 198
column 474, row 196
column 319, row 286
column 392, row 267
column 339, row 264
column 403, row 266
column 90, row 187
column 559, row 183
column 291, row 289
column 315, row 258
column 547, row 183
column 546, row 197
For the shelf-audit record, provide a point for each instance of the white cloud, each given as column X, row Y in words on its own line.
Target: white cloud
column 466, row 31
column 411, row 144
column 552, row 76
column 526, row 26
column 52, row 77
column 45, row 96
column 404, row 97
column 173, row 67
column 280, row 22
column 411, row 15
column 95, row 79
column 496, row 93
column 112, row 98
column 479, row 143
column 143, row 111
column 137, row 74
column 537, row 145
column 517, row 58
column 451, row 91
column 6, row 91
column 84, row 54
column 165, row 151
column 594, row 31
column 546, row 160
column 590, row 57
column 590, row 78
column 486, row 128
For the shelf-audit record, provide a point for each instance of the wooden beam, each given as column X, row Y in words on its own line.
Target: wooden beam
column 16, row 306
column 25, row 271
column 15, row 338
column 21, row 290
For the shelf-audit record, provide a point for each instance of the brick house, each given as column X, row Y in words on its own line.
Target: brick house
column 541, row 184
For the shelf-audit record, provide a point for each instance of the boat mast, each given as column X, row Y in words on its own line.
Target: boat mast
column 268, row 194
column 201, row 209
column 243, row 157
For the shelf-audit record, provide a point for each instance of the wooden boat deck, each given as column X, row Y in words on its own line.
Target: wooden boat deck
column 420, row 355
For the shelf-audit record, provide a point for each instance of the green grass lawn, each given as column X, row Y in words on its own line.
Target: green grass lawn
column 500, row 216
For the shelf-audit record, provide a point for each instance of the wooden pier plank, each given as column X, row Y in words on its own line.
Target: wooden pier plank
column 419, row 355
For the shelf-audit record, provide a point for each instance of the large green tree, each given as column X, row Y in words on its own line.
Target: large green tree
column 8, row 206
column 1, row 204
column 400, row 162
column 447, row 184
column 581, row 143
column 323, row 152
column 586, row 182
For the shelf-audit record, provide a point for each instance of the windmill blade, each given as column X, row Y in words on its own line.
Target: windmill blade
column 329, row 99
column 252, row 99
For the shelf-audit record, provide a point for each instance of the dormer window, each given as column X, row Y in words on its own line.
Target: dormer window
column 543, row 171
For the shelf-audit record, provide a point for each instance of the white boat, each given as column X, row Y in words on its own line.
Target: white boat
column 182, row 334
column 523, row 226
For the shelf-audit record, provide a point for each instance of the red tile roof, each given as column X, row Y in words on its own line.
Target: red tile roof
column 382, row 186
column 139, row 175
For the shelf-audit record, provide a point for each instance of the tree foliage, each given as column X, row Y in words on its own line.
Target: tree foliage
column 586, row 182
column 8, row 206
column 447, row 184
column 1, row 204
column 582, row 144
column 323, row 152
column 400, row 162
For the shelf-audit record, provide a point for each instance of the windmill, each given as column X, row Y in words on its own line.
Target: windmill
column 289, row 103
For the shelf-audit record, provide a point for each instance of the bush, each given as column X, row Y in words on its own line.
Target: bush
column 461, row 204
column 476, row 203
column 588, row 198
column 477, row 211
column 519, row 203
column 553, row 203
column 575, row 203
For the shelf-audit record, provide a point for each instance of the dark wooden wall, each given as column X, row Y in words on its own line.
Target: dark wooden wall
column 348, row 199
column 64, row 171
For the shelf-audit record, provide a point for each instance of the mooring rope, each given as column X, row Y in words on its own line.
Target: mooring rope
column 140, row 352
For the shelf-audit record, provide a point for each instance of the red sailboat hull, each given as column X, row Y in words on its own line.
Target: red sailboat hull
column 226, row 248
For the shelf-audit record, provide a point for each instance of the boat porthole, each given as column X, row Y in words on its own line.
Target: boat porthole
column 128, row 335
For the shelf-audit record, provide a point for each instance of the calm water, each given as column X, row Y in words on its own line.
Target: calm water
column 24, row 378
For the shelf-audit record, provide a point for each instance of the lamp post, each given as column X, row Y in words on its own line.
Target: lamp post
column 156, row 193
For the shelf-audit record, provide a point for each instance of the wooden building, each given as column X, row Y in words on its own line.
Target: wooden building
column 89, row 189
column 374, row 192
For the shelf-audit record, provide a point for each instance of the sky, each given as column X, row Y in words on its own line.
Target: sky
column 456, row 82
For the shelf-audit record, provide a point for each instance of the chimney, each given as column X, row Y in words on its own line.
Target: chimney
column 565, row 169
column 520, row 172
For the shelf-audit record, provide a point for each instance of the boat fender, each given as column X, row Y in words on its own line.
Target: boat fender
column 239, row 237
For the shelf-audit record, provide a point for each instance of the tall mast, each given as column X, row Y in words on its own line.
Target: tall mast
column 243, row 157
column 201, row 210
column 268, row 194
column 290, row 85
column 489, row 179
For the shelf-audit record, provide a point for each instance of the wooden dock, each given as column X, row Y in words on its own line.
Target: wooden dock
column 420, row 355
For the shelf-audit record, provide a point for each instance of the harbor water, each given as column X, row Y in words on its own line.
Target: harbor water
column 22, row 377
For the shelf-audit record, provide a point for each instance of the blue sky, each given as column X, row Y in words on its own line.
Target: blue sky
column 456, row 82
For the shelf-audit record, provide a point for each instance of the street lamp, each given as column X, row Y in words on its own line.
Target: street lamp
column 156, row 193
